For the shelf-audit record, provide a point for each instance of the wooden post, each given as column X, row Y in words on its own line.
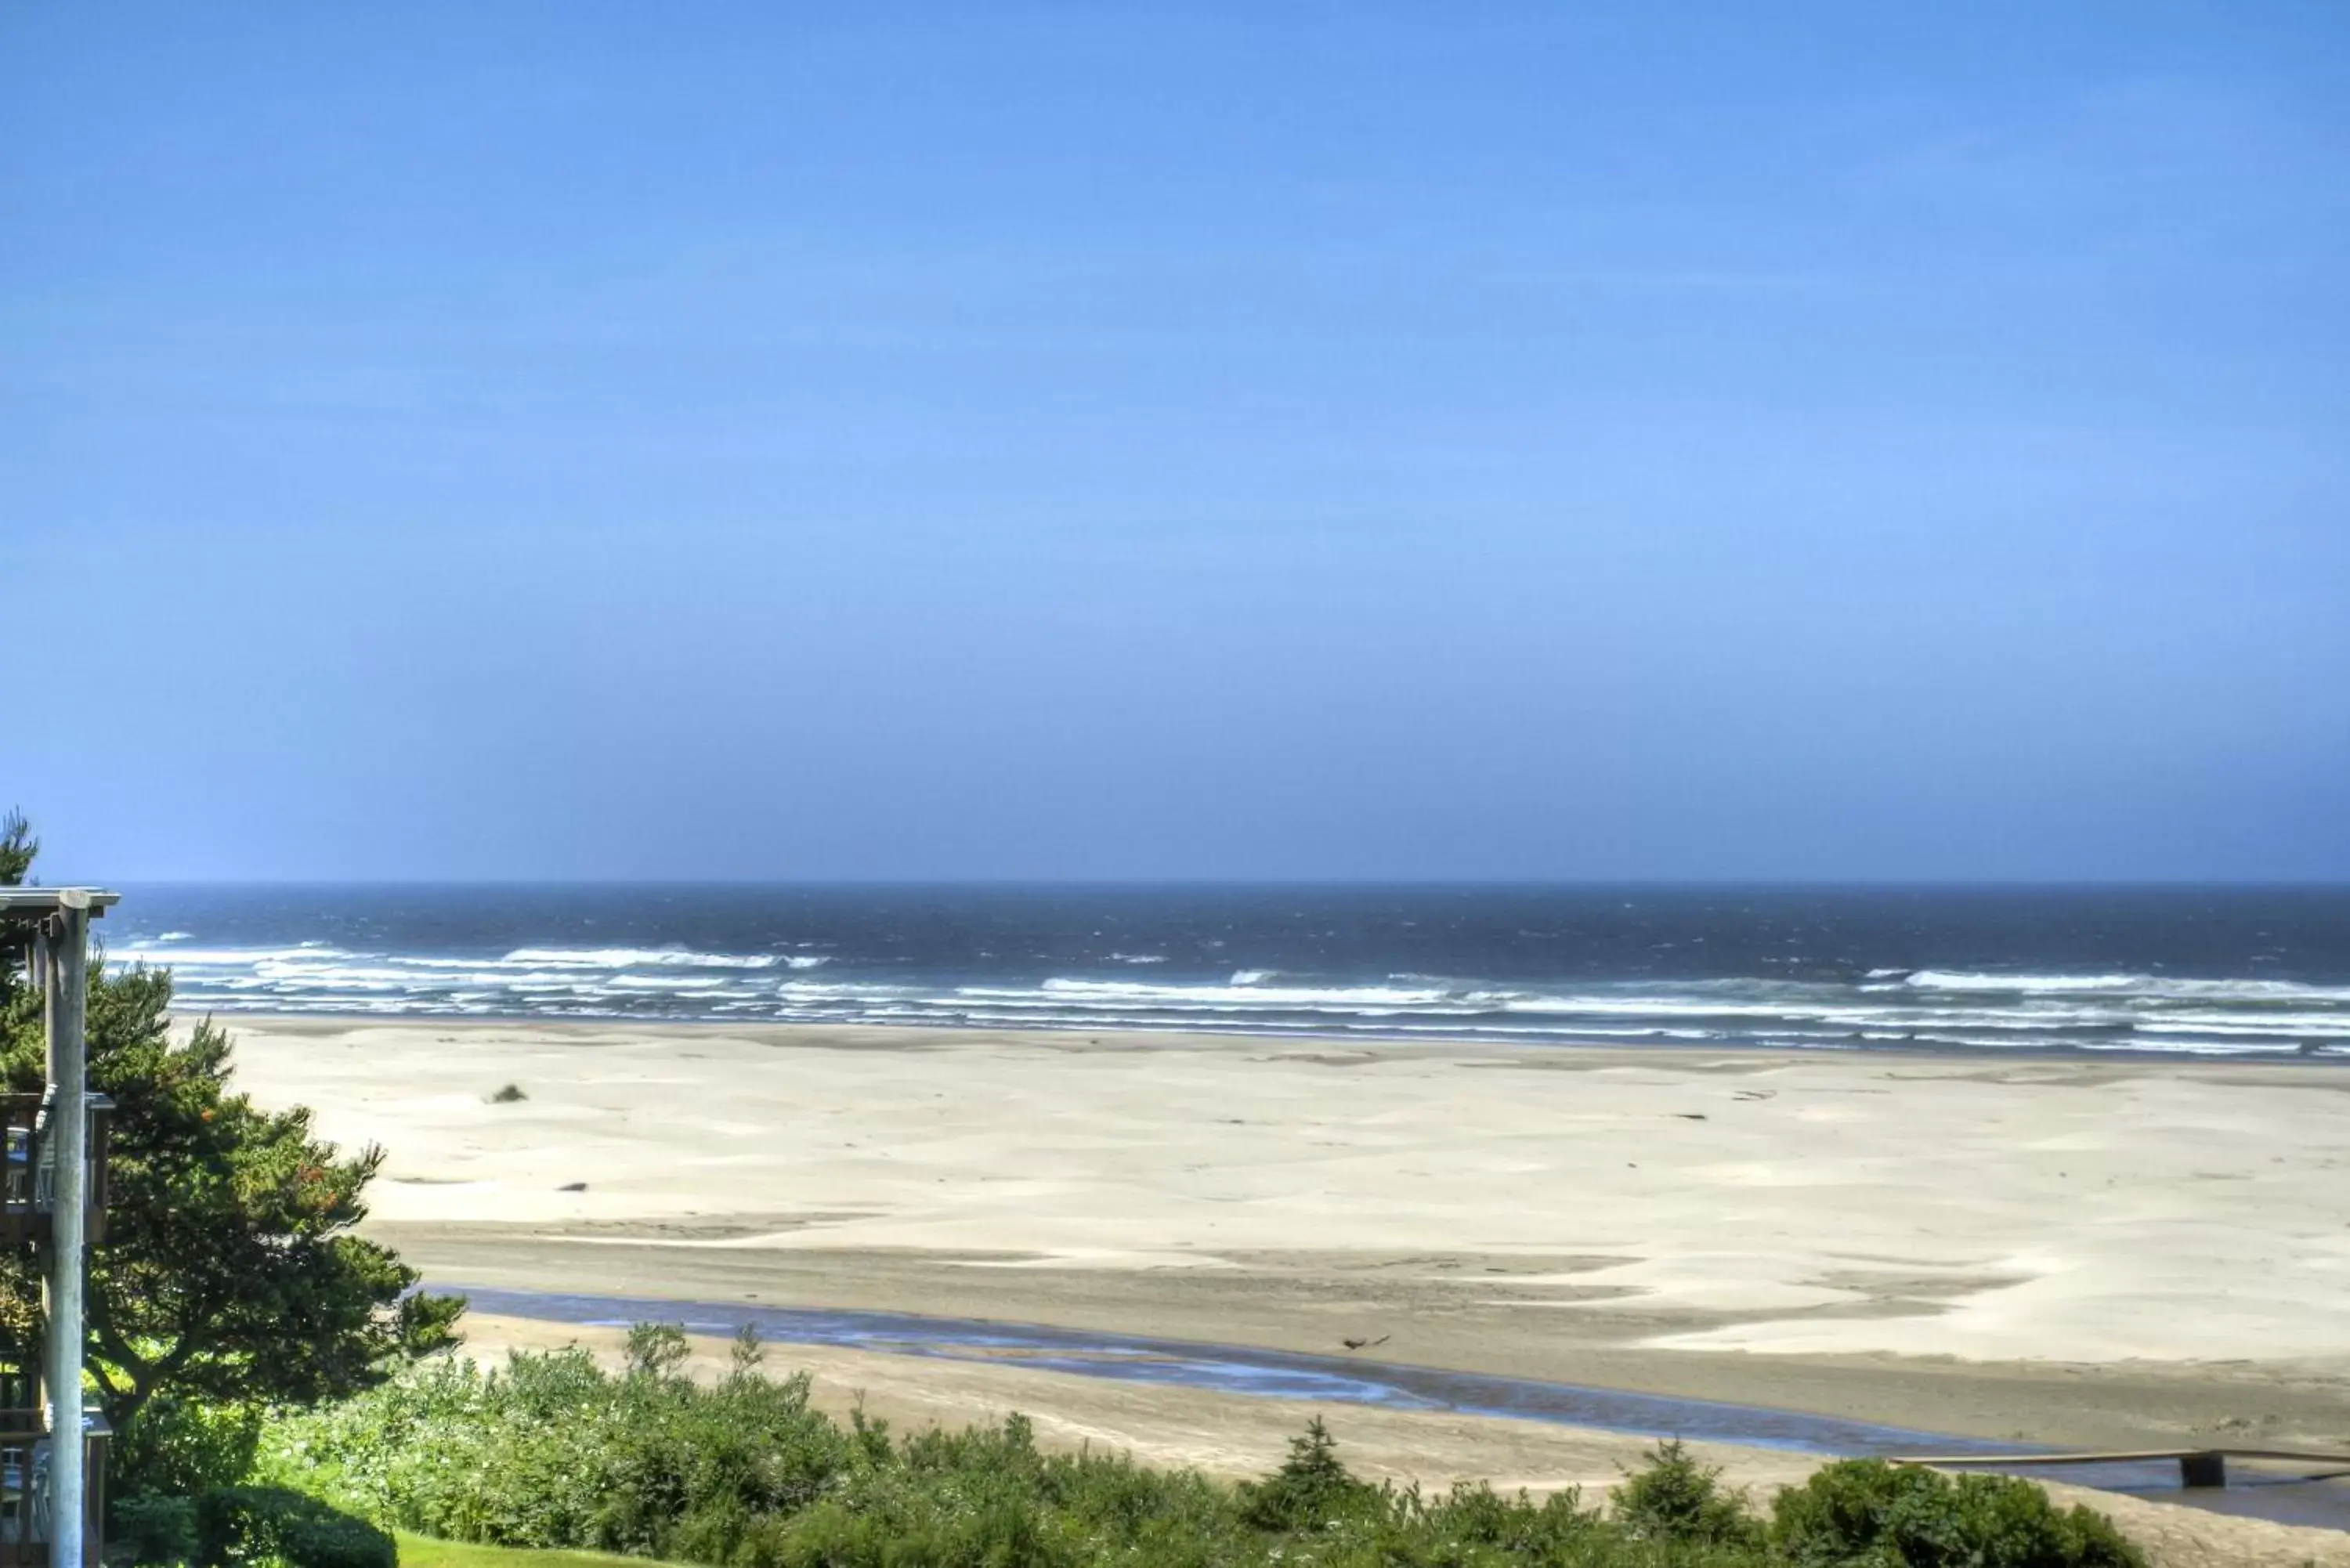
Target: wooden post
column 68, row 1216
column 2200, row 1470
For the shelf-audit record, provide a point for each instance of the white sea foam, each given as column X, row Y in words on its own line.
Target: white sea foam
column 1963, row 1007
column 2323, row 1028
column 630, row 958
column 811, row 989
column 232, row 958
column 2138, row 988
column 2250, row 990
column 1953, row 979
column 1243, row 993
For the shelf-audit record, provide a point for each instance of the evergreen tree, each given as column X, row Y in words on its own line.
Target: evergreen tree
column 229, row 1275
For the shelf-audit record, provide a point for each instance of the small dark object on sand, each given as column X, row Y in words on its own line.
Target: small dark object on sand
column 1691, row 1116
column 573, row 1186
column 508, row 1095
column 1365, row 1344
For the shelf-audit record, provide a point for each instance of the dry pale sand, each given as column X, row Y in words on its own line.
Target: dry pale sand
column 2102, row 1253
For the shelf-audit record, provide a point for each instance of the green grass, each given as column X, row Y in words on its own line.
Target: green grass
column 425, row 1552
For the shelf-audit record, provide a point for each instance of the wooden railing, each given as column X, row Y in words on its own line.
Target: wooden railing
column 25, row 1491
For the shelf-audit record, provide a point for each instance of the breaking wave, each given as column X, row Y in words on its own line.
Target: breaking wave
column 634, row 958
column 1923, row 1008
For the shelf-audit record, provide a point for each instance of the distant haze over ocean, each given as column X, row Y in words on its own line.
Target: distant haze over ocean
column 2213, row 971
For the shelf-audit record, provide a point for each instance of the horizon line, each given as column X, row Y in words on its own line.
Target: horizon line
column 1593, row 883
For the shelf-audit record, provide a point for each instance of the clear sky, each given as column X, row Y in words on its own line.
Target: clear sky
column 835, row 440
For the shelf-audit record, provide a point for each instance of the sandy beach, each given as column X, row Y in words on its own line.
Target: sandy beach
column 2113, row 1252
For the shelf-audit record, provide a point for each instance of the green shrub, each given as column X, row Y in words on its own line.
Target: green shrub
column 552, row 1451
column 154, row 1531
column 184, row 1448
column 1311, row 1490
column 1867, row 1512
column 264, row 1523
column 1475, row 1524
column 657, row 1350
column 1677, row 1499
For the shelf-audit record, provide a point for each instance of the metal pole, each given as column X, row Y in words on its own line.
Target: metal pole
column 45, row 975
column 69, row 1131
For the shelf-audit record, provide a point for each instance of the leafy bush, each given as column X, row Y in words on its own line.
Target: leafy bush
column 155, row 1531
column 551, row 1451
column 657, row 1350
column 1868, row 1512
column 184, row 1448
column 264, row 1523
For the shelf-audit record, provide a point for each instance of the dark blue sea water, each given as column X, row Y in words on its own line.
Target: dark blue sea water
column 2244, row 971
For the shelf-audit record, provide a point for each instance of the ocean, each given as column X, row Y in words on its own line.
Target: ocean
column 2201, row 970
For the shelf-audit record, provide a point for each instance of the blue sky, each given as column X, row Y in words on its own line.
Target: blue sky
column 549, row 441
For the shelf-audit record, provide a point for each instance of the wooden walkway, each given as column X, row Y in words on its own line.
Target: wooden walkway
column 2197, row 1467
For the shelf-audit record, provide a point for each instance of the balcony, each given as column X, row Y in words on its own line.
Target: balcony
column 28, row 1169
column 25, row 1504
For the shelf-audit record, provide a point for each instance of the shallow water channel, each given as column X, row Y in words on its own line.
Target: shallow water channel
column 2283, row 1494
